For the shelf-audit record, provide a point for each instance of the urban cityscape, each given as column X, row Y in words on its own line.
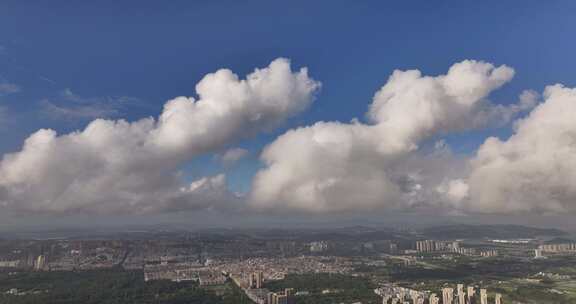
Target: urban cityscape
column 341, row 265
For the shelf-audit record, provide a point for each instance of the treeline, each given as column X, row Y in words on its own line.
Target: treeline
column 339, row 288
column 109, row 286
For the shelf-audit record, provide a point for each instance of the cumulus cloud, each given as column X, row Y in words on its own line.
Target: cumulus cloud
column 118, row 166
column 535, row 169
column 332, row 166
column 454, row 190
column 231, row 156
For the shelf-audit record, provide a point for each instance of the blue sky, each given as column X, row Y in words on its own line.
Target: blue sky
column 150, row 51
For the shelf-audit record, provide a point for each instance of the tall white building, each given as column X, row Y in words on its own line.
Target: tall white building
column 538, row 253
column 498, row 299
column 461, row 295
column 447, row 295
column 40, row 263
column 470, row 294
column 434, row 299
column 483, row 296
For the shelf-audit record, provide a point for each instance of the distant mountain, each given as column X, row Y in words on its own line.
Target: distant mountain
column 488, row 231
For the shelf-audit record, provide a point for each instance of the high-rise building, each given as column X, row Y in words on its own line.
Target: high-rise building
column 289, row 292
column 393, row 248
column 461, row 295
column 455, row 246
column 434, row 299
column 498, row 299
column 470, row 294
column 558, row 248
column 489, row 253
column 256, row 280
column 538, row 253
column 259, row 279
column 447, row 295
column 285, row 297
column 281, row 299
column 40, row 263
column 426, row 246
column 386, row 299
column 483, row 296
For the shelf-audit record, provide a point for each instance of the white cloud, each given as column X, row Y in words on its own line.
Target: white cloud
column 535, row 169
column 454, row 190
column 117, row 166
column 8, row 88
column 232, row 156
column 332, row 166
column 68, row 105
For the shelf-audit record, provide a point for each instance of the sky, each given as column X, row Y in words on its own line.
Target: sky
column 142, row 111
